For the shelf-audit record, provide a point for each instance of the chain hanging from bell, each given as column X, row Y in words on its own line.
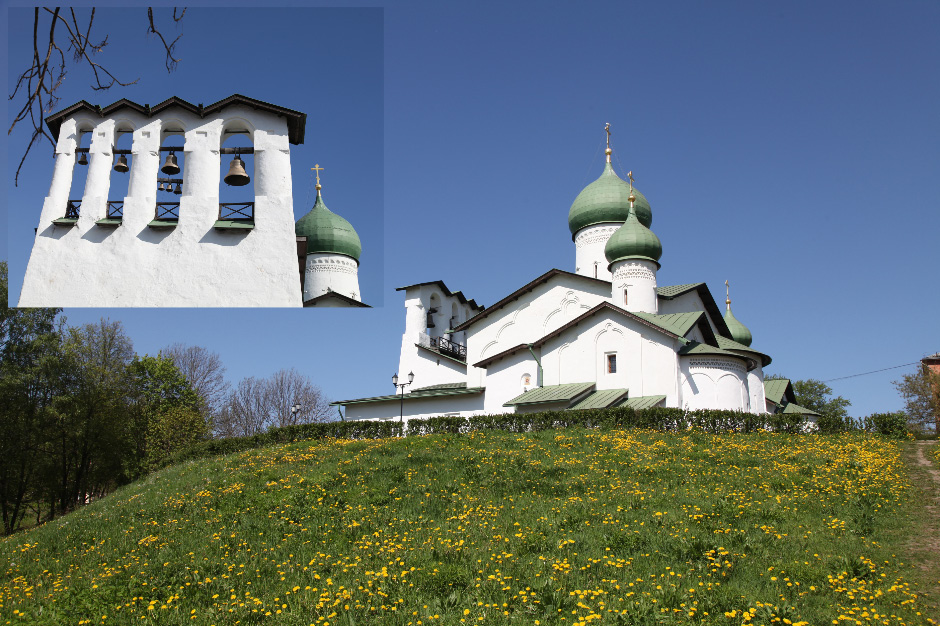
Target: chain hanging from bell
column 83, row 158
column 237, row 176
column 169, row 166
column 121, row 165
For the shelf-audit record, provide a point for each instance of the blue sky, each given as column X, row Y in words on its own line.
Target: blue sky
column 792, row 149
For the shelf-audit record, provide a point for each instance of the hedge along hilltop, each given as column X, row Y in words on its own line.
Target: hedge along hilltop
column 656, row 418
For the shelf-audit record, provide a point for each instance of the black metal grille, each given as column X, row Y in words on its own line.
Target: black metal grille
column 115, row 209
column 450, row 348
column 236, row 210
column 167, row 211
column 72, row 209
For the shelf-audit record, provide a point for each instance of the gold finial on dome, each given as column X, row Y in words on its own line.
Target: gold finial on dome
column 608, row 151
column 728, row 294
column 632, row 196
column 317, row 168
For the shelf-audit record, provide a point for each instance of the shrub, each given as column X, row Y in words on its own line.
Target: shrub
column 892, row 425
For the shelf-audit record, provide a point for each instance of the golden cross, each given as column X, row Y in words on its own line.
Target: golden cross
column 607, row 128
column 317, row 168
column 630, row 176
column 727, row 293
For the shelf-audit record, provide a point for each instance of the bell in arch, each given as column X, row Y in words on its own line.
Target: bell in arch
column 83, row 158
column 178, row 191
column 121, row 165
column 237, row 176
column 170, row 167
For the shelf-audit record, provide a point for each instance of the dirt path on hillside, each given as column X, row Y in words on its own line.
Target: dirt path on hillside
column 923, row 547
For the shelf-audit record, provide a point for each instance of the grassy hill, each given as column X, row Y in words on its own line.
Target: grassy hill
column 556, row 527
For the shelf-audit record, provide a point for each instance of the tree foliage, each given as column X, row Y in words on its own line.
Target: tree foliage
column 921, row 394
column 258, row 404
column 817, row 396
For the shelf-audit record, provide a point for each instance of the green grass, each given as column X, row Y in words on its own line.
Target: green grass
column 554, row 527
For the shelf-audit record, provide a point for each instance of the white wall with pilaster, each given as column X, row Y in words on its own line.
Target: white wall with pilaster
column 589, row 243
column 647, row 363
column 189, row 265
column 533, row 315
column 755, row 389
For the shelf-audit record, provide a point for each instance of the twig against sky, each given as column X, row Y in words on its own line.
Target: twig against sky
column 39, row 83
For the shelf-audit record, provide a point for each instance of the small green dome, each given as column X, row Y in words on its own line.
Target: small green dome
column 328, row 232
column 605, row 200
column 633, row 240
column 739, row 331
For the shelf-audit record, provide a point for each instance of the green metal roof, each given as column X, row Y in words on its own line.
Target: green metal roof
column 551, row 393
column 730, row 344
column 775, row 389
column 163, row 223
column 234, row 224
column 671, row 291
column 703, row 348
column 599, row 399
column 328, row 232
column 442, row 386
column 605, row 200
column 676, row 323
column 417, row 394
column 643, row 402
column 739, row 332
column 65, row 221
column 633, row 240
column 110, row 221
column 792, row 407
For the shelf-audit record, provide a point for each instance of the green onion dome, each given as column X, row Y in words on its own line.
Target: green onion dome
column 328, row 232
column 633, row 240
column 739, row 331
column 605, row 200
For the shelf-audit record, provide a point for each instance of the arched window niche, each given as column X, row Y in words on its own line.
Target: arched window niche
column 170, row 175
column 73, row 206
column 120, row 175
column 236, row 177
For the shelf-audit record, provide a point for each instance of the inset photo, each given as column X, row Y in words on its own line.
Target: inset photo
column 206, row 157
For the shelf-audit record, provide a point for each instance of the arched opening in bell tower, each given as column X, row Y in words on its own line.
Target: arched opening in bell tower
column 120, row 171
column 170, row 174
column 237, row 173
column 83, row 135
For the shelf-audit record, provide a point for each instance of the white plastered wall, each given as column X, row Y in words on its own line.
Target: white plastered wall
column 646, row 359
column 755, row 388
column 326, row 272
column 189, row 265
column 430, row 368
column 535, row 314
column 589, row 243
column 714, row 382
column 422, row 408
column 633, row 286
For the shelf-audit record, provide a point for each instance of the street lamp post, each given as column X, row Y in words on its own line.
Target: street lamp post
column 411, row 377
column 294, row 410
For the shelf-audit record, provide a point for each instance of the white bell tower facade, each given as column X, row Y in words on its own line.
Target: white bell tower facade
column 179, row 248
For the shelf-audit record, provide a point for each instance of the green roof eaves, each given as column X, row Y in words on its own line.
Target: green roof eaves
column 414, row 395
column 731, row 344
column 775, row 389
column 65, row 221
column 643, row 402
column 163, row 223
column 550, row 394
column 599, row 399
column 234, row 224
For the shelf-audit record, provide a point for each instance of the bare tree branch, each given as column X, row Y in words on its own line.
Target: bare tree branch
column 39, row 83
column 171, row 61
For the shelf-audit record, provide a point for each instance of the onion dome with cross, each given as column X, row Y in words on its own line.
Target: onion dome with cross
column 326, row 231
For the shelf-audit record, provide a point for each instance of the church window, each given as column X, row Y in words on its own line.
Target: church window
column 611, row 363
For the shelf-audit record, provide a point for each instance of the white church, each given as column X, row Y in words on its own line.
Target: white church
column 604, row 335
column 170, row 241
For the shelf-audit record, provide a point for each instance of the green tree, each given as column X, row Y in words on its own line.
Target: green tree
column 164, row 415
column 817, row 395
column 29, row 346
column 921, row 394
